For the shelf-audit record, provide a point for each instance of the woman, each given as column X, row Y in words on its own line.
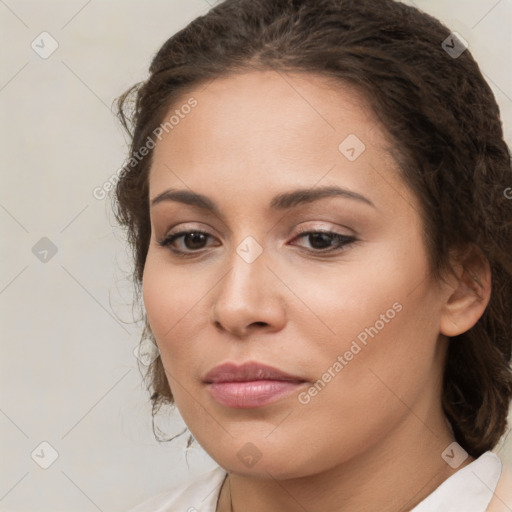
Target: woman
column 315, row 199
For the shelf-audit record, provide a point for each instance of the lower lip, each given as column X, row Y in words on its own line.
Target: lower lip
column 255, row 393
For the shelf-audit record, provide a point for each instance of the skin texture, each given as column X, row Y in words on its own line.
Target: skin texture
column 372, row 438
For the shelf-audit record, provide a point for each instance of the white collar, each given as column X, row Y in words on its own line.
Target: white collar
column 470, row 489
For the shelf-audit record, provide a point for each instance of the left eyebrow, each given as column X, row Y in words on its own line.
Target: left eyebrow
column 282, row 201
column 308, row 195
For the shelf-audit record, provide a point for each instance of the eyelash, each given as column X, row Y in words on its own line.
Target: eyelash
column 342, row 241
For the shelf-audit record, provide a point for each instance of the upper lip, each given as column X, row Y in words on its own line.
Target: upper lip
column 250, row 371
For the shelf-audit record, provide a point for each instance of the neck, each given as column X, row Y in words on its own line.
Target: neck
column 394, row 475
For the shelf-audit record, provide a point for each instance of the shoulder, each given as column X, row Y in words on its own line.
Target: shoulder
column 197, row 495
column 502, row 496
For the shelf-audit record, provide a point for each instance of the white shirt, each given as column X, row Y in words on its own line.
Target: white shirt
column 468, row 490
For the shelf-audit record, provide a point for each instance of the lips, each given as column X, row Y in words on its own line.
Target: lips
column 250, row 371
column 250, row 385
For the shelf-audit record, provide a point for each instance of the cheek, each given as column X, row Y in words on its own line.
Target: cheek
column 385, row 358
column 363, row 397
column 358, row 297
column 382, row 318
column 166, row 299
column 159, row 298
column 176, row 303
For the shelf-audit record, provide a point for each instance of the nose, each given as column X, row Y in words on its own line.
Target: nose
column 249, row 298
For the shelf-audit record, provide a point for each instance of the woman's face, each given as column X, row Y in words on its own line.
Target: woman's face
column 353, row 320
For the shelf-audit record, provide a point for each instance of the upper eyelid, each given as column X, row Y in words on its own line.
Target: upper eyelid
column 181, row 232
column 300, row 230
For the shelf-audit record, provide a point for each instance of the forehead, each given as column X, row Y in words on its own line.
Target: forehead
column 265, row 130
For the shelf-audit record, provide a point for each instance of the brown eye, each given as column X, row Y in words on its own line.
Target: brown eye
column 326, row 241
column 192, row 241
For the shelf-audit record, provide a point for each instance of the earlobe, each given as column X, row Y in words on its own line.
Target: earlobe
column 469, row 293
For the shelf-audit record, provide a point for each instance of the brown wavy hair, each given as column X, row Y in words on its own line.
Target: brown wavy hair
column 438, row 110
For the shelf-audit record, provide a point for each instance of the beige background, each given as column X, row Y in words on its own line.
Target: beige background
column 68, row 373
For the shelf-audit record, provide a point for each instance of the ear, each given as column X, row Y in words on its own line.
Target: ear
column 468, row 292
